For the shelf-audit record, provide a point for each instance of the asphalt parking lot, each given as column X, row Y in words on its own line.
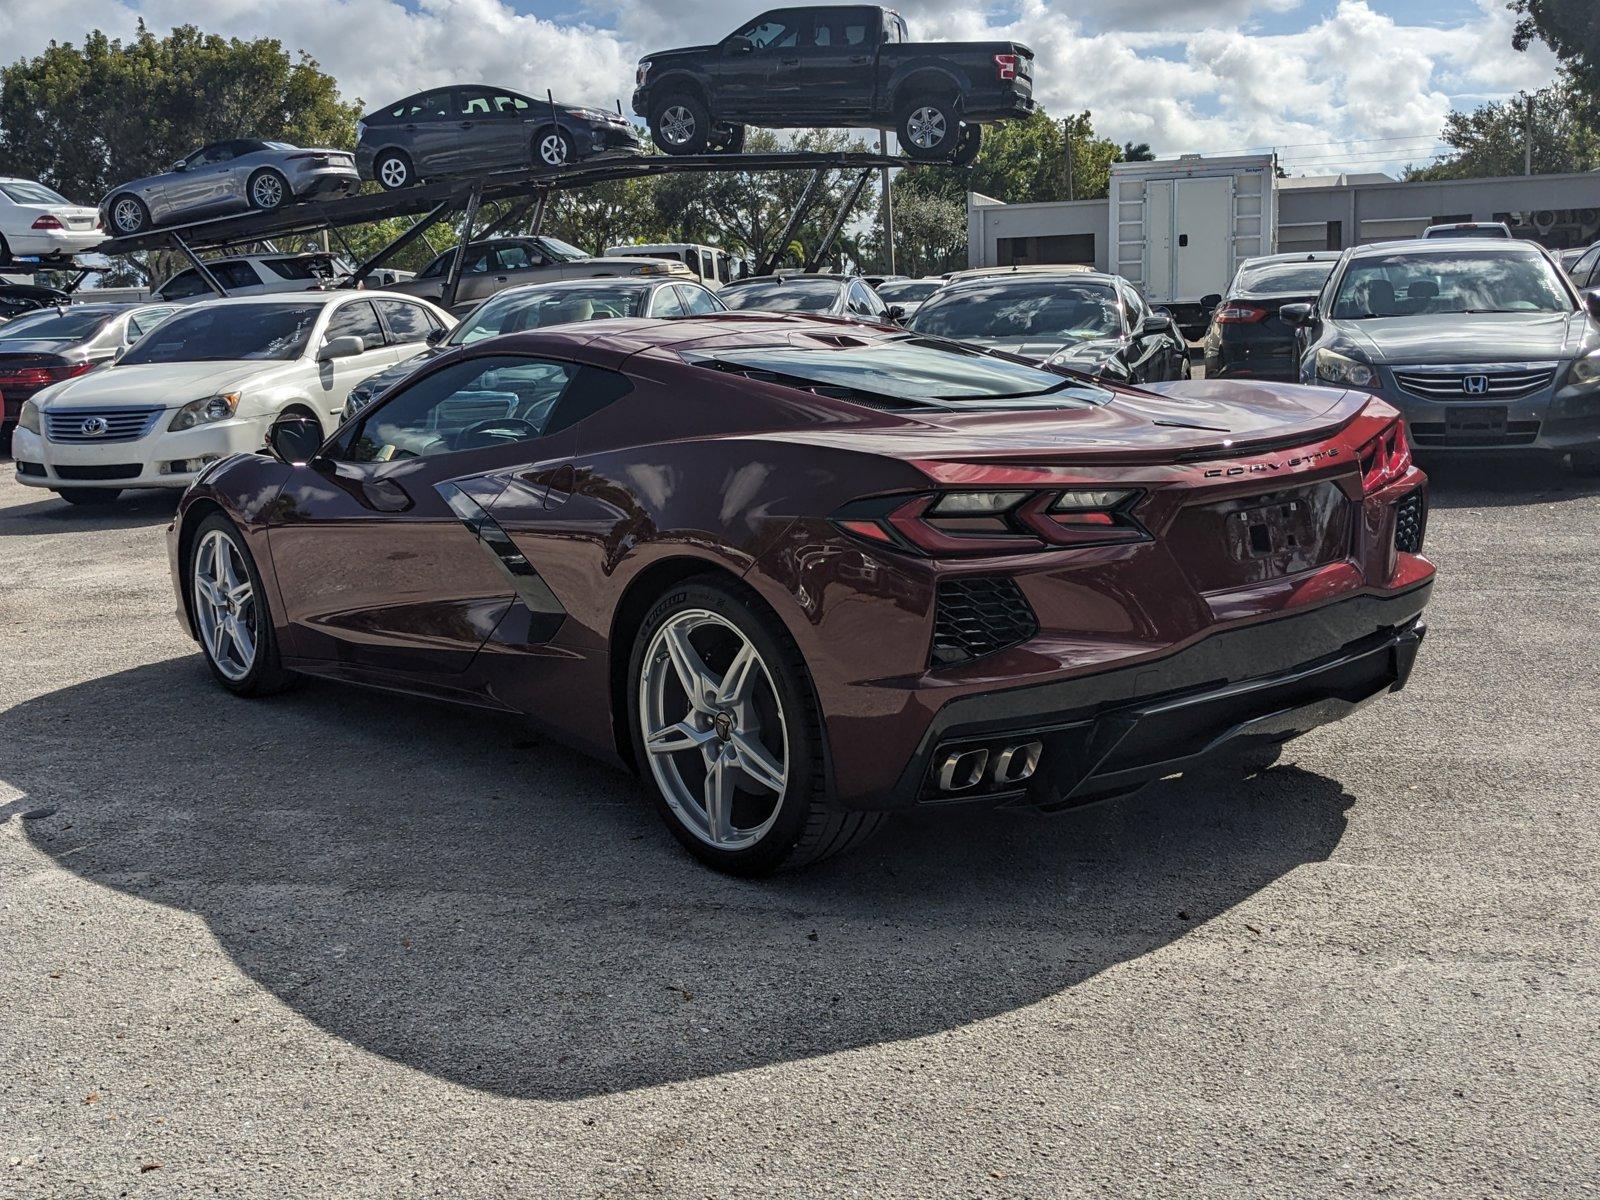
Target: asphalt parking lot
column 340, row 944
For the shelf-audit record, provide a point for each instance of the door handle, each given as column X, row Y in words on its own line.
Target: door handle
column 858, row 59
column 501, row 279
column 788, row 62
column 466, row 124
column 410, row 128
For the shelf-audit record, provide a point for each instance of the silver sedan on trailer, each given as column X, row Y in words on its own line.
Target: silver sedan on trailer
column 231, row 176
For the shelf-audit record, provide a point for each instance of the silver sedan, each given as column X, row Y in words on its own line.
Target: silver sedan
column 224, row 177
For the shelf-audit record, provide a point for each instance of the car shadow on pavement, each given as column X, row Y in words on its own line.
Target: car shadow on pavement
column 52, row 514
column 439, row 887
column 1490, row 482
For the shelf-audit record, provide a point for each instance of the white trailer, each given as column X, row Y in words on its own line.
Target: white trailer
column 1180, row 227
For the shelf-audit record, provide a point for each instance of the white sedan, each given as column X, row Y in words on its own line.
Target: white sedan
column 209, row 382
column 36, row 222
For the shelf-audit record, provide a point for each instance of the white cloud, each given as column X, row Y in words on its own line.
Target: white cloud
column 1348, row 88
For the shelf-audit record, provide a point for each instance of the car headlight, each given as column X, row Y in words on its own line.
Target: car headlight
column 643, row 73
column 1585, row 371
column 1332, row 367
column 205, row 412
column 29, row 419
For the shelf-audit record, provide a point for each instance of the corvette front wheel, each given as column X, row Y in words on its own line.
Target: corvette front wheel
column 727, row 732
column 231, row 619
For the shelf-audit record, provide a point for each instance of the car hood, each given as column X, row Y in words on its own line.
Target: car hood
column 1061, row 350
column 1160, row 423
column 1468, row 337
column 167, row 384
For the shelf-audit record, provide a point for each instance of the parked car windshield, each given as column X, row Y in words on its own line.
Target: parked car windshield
column 908, row 291
column 26, row 191
column 907, row 369
column 1413, row 283
column 1285, row 278
column 1058, row 310
column 55, row 325
column 513, row 312
column 792, row 295
column 228, row 332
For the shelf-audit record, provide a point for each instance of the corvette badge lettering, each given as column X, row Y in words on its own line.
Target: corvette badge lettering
column 1303, row 460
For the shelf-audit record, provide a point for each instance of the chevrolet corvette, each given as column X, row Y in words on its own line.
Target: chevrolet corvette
column 800, row 574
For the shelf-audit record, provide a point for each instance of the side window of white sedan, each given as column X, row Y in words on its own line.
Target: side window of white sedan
column 356, row 319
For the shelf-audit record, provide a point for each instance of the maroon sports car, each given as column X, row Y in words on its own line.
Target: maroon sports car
column 801, row 573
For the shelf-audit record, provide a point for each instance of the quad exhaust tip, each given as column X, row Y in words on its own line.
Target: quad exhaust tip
column 1001, row 766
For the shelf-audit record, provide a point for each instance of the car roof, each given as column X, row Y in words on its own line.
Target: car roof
column 620, row 337
column 1026, row 269
column 569, row 285
column 313, row 298
column 1100, row 277
column 798, row 277
column 1440, row 245
column 1327, row 256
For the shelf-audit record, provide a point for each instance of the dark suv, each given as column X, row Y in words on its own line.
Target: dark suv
column 461, row 130
column 852, row 66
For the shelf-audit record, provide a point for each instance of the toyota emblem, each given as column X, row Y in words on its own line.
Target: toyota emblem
column 1474, row 385
column 93, row 426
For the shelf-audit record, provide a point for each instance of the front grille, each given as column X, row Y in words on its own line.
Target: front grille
column 1410, row 520
column 109, row 471
column 121, row 424
column 979, row 615
column 1436, row 435
column 1496, row 383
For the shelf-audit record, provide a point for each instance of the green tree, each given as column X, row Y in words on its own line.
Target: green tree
column 930, row 234
column 1572, row 29
column 85, row 118
column 1024, row 162
column 1491, row 140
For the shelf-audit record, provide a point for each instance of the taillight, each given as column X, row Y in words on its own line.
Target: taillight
column 1241, row 314
column 1005, row 67
column 38, row 377
column 48, row 222
column 1385, row 458
column 1006, row 521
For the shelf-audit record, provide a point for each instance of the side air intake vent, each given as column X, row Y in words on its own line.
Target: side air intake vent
column 1410, row 518
column 979, row 615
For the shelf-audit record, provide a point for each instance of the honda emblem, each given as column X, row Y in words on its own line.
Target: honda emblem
column 1474, row 385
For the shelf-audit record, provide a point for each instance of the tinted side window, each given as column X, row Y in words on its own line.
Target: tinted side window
column 696, row 300
column 466, row 406
column 1584, row 267
column 775, row 31
column 143, row 322
column 430, row 106
column 406, row 322
column 355, row 320
column 235, row 274
column 183, row 285
column 474, row 102
column 665, row 303
column 862, row 302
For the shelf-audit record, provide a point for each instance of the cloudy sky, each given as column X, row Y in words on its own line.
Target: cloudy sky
column 1332, row 84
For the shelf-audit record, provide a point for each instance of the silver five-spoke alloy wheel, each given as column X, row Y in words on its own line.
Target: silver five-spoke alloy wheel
column 716, row 738
column 267, row 191
column 553, row 149
column 393, row 172
column 126, row 215
column 224, row 604
column 926, row 127
column 677, row 125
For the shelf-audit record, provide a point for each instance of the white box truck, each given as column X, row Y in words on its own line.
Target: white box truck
column 1180, row 227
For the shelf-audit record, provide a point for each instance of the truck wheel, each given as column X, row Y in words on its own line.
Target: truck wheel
column 928, row 127
column 728, row 139
column 968, row 144
column 680, row 124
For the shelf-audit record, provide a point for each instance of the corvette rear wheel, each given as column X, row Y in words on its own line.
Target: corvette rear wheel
column 231, row 616
column 726, row 729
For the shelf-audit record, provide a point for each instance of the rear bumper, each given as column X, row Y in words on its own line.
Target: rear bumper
column 1110, row 733
column 54, row 243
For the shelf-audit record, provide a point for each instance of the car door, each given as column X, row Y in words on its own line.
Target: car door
column 387, row 559
column 336, row 376
column 210, row 182
column 746, row 79
column 429, row 134
column 830, row 71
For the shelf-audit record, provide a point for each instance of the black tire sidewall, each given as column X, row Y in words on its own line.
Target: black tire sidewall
column 952, row 127
column 969, row 142
column 800, row 715
column 250, row 190
column 264, row 670
column 702, row 124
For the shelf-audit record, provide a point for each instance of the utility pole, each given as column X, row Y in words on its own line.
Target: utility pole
column 888, row 207
column 1527, row 139
column 1066, row 139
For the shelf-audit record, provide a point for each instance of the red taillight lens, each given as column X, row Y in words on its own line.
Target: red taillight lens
column 1005, row 67
column 1241, row 314
column 48, row 222
column 38, row 377
column 1385, row 458
column 994, row 522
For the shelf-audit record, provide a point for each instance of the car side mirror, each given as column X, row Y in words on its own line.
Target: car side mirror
column 1152, row 325
column 294, row 440
column 1591, row 301
column 897, row 313
column 1211, row 300
column 435, row 335
column 738, row 45
column 341, row 347
column 1295, row 314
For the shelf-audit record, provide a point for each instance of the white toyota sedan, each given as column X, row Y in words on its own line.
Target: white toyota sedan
column 209, row 382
